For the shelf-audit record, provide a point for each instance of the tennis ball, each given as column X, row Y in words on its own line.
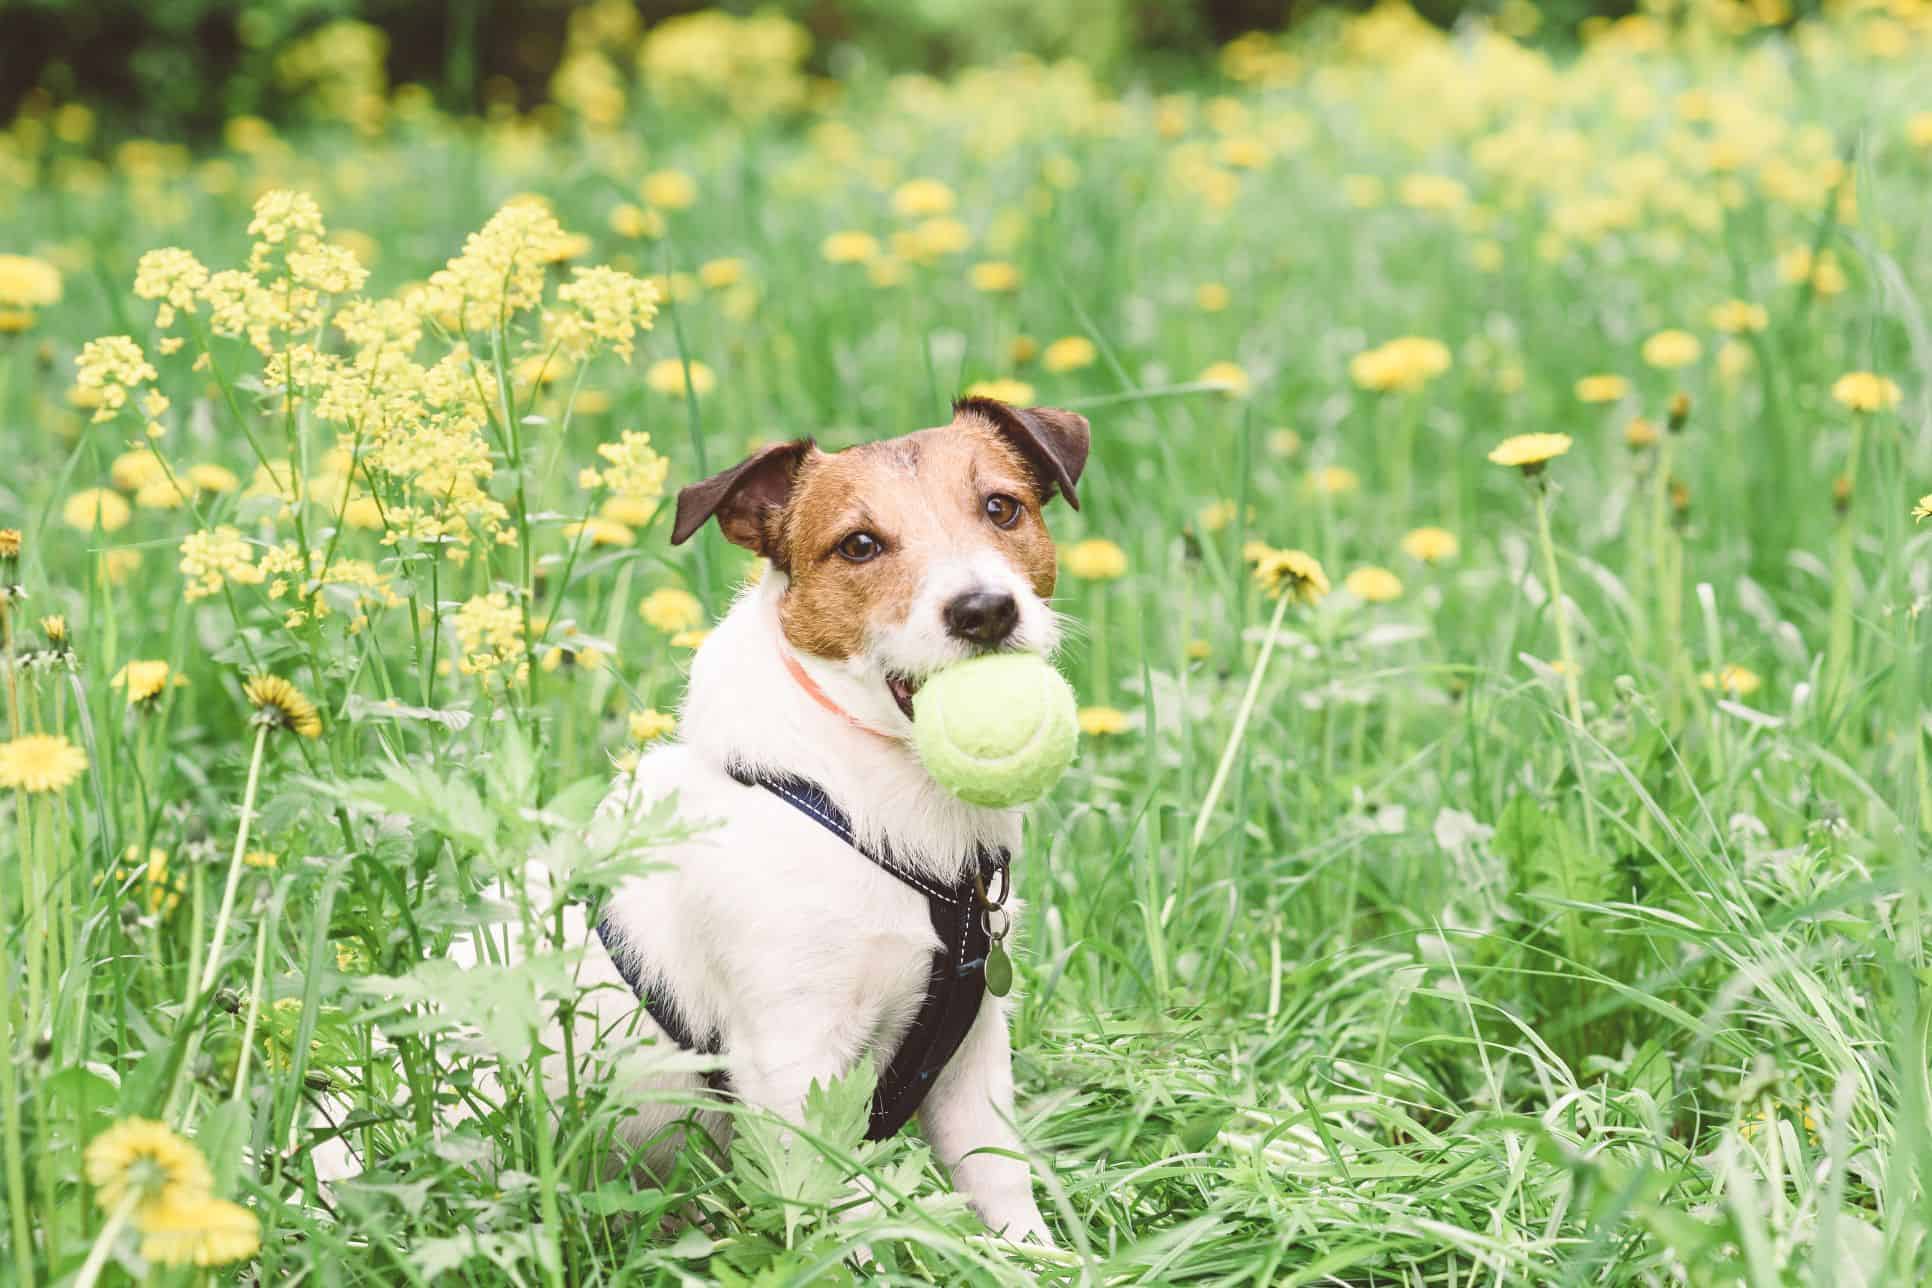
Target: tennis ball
column 995, row 730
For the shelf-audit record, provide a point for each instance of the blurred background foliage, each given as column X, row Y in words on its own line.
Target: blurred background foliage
column 180, row 68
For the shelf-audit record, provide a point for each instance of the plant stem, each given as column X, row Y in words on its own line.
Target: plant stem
column 1241, row 716
column 104, row 1243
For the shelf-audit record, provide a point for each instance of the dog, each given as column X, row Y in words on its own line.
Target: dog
column 790, row 947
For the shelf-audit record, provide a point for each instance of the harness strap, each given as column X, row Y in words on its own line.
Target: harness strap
column 955, row 984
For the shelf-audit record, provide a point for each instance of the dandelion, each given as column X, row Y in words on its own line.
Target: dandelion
column 849, row 248
column 280, row 705
column 1672, row 349
column 1739, row 317
column 650, row 724
column 994, row 276
column 1229, row 377
column 921, row 198
column 38, row 763
column 1732, row 680
column 717, row 274
column 601, row 531
column 94, row 508
column 1284, row 442
column 670, row 609
column 669, row 190
column 627, row 220
column 1639, row 434
column 142, row 680
column 1402, row 365
column 1069, row 353
column 1096, row 559
column 1865, row 391
column 1923, row 510
column 26, row 286
column 1102, row 722
column 666, row 377
column 1211, row 297
column 1430, row 545
column 1004, row 389
column 213, row 478
column 690, row 639
column 1335, row 480
column 198, row 1230
column 1601, row 389
column 266, row 859
column 1290, row 574
column 145, row 1163
column 1373, row 585
column 9, row 543
column 54, row 627
column 1530, row 452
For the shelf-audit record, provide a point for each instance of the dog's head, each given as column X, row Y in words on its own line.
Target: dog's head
column 904, row 555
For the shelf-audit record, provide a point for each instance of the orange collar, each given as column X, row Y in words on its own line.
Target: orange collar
column 819, row 696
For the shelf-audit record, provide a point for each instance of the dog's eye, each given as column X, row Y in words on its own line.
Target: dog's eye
column 1003, row 510
column 860, row 547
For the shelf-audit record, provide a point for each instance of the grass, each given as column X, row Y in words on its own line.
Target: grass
column 1520, row 940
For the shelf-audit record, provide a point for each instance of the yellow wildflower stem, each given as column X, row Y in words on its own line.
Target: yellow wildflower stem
column 1571, row 690
column 1241, row 717
column 23, row 1248
column 97, row 1255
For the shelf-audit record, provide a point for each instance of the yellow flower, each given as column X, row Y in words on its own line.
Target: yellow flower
column 95, row 505
column 1865, row 391
column 1231, row 377
column 1217, row 515
column 689, row 639
column 262, row 859
column 671, row 609
column 26, row 286
column 1373, row 585
column 601, row 531
column 1284, row 442
column 1601, row 389
column 1432, row 192
column 1430, row 545
column 1923, row 510
column 280, row 704
column 1405, row 364
column 40, row 762
column 500, row 273
column 1069, row 353
column 1668, row 350
column 1101, row 722
column 213, row 559
column 9, row 543
column 134, row 469
column 633, row 470
column 1002, row 389
column 1211, row 297
column 666, row 377
column 53, row 626
column 669, row 190
column 1530, row 452
column 143, row 680
column 490, row 630
column 716, row 274
column 627, row 220
column 1918, row 128
column 213, row 478
column 1639, row 433
column 1733, row 680
column 1096, row 559
column 1294, row 573
column 183, row 1229
column 849, row 248
column 1335, row 480
column 919, row 198
column 1738, row 317
column 994, row 276
column 144, row 1161
column 651, row 724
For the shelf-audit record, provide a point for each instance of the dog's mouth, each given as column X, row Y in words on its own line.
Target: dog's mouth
column 902, row 688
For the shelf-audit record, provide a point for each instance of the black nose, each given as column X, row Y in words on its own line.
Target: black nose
column 982, row 616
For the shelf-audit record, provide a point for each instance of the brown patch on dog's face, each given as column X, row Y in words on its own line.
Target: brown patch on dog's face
column 864, row 526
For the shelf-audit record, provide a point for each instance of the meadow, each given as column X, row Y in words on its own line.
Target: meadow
column 1497, row 848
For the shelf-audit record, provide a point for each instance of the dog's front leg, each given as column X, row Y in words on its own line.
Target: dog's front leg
column 969, row 1113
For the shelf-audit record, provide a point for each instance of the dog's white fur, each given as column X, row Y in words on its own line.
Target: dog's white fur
column 803, row 953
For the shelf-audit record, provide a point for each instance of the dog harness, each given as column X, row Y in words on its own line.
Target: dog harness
column 955, row 985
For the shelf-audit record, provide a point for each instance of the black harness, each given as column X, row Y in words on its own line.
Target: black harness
column 954, row 988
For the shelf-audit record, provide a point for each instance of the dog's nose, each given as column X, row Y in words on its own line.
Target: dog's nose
column 982, row 616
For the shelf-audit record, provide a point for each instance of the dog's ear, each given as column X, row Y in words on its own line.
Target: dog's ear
column 748, row 499
column 1054, row 442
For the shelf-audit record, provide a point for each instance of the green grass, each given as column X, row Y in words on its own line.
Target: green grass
column 1443, row 986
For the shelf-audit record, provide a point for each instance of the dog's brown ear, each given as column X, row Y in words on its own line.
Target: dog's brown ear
column 1054, row 442
column 748, row 499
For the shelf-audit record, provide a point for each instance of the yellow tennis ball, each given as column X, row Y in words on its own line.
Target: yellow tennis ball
column 996, row 730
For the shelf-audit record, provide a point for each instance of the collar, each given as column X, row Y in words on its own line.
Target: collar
column 818, row 695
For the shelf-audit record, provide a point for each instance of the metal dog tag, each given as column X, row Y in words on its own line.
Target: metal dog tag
column 999, row 970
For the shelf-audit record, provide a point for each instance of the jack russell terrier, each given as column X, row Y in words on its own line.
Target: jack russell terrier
column 846, row 904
